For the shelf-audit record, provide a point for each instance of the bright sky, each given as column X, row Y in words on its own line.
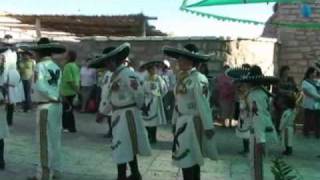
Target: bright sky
column 170, row 18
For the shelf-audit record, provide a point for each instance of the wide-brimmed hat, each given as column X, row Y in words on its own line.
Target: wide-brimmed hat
column 44, row 44
column 190, row 51
column 110, row 53
column 255, row 76
column 148, row 64
column 95, row 60
column 237, row 72
column 8, row 40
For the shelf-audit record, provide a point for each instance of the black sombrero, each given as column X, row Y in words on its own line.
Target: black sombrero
column 255, row 76
column 118, row 53
column 95, row 60
column 236, row 73
column 150, row 63
column 190, row 51
column 44, row 44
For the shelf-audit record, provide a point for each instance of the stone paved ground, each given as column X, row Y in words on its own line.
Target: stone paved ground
column 87, row 156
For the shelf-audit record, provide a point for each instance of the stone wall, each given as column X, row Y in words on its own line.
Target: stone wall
column 299, row 47
column 224, row 51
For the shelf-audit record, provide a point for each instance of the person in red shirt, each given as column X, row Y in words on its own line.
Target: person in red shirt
column 225, row 96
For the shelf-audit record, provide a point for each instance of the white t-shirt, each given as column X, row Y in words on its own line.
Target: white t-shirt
column 88, row 76
column 170, row 79
column 308, row 101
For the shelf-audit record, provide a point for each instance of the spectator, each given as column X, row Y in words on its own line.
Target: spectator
column 88, row 84
column 225, row 97
column 69, row 90
column 311, row 96
column 284, row 89
column 26, row 68
column 203, row 68
column 170, row 79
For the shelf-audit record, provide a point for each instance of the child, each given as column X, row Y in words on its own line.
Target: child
column 243, row 128
column 287, row 125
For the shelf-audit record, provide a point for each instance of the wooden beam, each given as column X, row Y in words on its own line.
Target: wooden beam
column 38, row 28
column 82, row 21
column 81, row 31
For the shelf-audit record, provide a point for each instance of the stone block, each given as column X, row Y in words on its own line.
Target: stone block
column 287, row 6
column 293, row 43
column 299, row 32
column 305, row 49
column 291, row 50
column 291, row 56
column 299, row 37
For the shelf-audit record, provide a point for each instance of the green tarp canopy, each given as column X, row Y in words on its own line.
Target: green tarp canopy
column 228, row 2
column 193, row 9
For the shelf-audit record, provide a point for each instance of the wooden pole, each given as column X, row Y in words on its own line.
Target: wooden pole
column 38, row 28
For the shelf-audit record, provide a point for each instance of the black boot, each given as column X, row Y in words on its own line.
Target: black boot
column 245, row 143
column 150, row 134
column 187, row 173
column 2, row 163
column 10, row 110
column 122, row 169
column 196, row 172
column 153, row 135
column 288, row 151
column 135, row 174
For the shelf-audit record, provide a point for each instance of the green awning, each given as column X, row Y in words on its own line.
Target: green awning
column 203, row 3
column 192, row 8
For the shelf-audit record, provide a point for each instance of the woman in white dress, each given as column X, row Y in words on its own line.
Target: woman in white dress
column 13, row 88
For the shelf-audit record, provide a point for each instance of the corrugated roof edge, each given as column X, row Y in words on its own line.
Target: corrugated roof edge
column 181, row 38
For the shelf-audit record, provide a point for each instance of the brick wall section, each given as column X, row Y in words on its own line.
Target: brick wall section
column 224, row 50
column 299, row 47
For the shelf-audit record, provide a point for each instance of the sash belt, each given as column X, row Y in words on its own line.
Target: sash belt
column 116, row 108
column 47, row 102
